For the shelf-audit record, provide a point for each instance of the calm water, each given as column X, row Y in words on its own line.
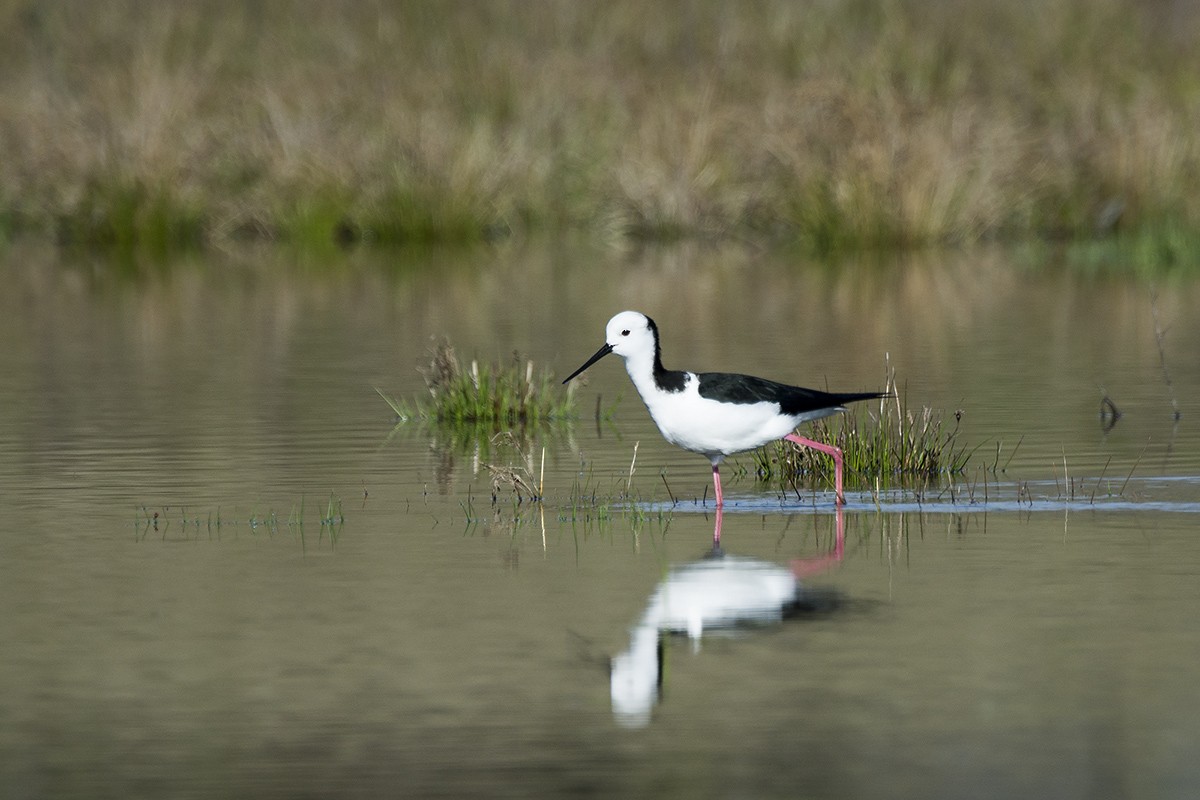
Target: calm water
column 428, row 644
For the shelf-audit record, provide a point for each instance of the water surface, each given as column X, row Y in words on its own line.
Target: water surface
column 1040, row 642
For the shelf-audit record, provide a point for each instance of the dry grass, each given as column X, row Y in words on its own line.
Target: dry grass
column 840, row 123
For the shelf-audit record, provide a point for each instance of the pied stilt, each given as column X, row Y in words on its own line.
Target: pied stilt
column 717, row 414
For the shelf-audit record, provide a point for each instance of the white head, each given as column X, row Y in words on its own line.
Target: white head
column 630, row 334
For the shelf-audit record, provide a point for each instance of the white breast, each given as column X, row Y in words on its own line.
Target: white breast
column 713, row 428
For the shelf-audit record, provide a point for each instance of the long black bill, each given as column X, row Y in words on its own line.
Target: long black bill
column 601, row 353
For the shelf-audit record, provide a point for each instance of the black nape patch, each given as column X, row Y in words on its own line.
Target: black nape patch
column 667, row 380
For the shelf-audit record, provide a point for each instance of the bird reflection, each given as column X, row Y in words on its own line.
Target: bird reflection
column 720, row 591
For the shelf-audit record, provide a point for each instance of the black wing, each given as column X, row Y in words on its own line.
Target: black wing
column 727, row 387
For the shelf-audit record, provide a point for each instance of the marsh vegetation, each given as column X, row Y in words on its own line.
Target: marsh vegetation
column 480, row 405
column 498, row 395
column 839, row 125
column 887, row 443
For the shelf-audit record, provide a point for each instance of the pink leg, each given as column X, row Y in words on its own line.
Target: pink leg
column 717, row 483
column 824, row 448
column 717, row 530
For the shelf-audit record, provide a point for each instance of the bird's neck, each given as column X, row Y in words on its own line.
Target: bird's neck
column 647, row 372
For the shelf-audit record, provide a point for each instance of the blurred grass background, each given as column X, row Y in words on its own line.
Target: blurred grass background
column 837, row 124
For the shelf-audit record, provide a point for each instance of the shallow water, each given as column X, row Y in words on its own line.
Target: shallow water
column 1017, row 633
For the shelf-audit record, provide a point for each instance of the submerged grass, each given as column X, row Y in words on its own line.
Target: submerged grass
column 187, row 523
column 485, row 395
column 842, row 124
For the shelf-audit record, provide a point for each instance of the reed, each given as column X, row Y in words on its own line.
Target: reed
column 841, row 124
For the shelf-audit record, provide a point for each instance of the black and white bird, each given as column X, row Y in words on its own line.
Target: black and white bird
column 717, row 414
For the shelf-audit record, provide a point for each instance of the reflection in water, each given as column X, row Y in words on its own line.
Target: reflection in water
column 720, row 591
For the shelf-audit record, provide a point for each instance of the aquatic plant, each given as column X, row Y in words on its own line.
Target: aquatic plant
column 188, row 523
column 519, row 478
column 887, row 443
column 481, row 394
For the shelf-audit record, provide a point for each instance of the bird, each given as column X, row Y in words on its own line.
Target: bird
column 717, row 414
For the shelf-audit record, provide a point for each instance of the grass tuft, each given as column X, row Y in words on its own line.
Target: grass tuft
column 481, row 394
column 892, row 443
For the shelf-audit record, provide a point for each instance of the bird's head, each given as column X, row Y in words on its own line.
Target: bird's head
column 628, row 334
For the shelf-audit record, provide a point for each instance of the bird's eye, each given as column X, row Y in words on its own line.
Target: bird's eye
column 624, row 333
